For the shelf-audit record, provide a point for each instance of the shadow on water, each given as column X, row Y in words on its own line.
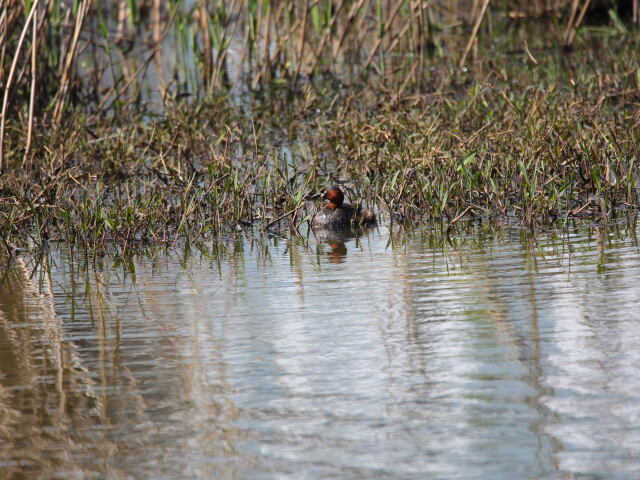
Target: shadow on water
column 493, row 354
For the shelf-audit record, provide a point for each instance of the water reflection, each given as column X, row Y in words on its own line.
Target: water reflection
column 496, row 355
column 333, row 243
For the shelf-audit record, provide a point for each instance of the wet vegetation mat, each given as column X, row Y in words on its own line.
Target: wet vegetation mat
column 527, row 112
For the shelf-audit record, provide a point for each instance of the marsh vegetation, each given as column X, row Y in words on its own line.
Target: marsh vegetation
column 166, row 311
column 138, row 122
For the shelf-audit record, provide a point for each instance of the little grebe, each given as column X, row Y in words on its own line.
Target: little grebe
column 337, row 214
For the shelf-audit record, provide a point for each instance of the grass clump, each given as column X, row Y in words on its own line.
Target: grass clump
column 536, row 154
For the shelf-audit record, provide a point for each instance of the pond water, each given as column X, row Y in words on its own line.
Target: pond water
column 497, row 355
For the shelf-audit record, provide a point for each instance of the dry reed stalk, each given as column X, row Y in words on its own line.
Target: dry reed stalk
column 585, row 6
column 266, row 58
column 411, row 74
column 419, row 31
column 528, row 52
column 353, row 12
column 125, row 67
column 376, row 47
column 474, row 8
column 571, row 32
column 155, row 33
column 70, row 60
column 3, row 42
column 392, row 46
column 474, row 33
column 301, row 41
column 326, row 35
column 122, row 18
column 453, row 11
column 203, row 17
column 416, row 19
column 361, row 32
column 280, row 40
column 400, row 35
column 254, row 53
column 334, row 20
column 32, row 95
column 223, row 53
column 114, row 89
column 574, row 10
column 63, row 45
column 7, row 89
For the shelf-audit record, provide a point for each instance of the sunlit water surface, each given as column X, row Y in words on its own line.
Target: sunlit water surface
column 496, row 356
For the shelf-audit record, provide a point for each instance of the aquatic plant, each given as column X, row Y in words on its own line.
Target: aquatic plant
column 370, row 96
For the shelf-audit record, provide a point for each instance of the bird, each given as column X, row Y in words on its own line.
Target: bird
column 339, row 215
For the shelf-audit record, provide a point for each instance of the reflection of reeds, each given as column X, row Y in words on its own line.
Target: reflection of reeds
column 56, row 392
column 88, row 404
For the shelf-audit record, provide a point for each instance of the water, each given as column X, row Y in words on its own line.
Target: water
column 496, row 356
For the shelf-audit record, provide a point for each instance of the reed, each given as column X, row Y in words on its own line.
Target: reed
column 262, row 103
column 220, row 44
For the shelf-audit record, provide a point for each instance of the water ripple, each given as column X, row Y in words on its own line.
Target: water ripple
column 506, row 357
